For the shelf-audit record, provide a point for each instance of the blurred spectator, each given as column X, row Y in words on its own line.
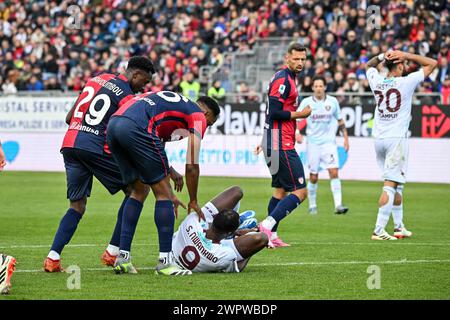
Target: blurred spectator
column 217, row 92
column 35, row 84
column 10, row 84
column 52, row 84
column 184, row 35
column 444, row 70
column 190, row 88
column 118, row 24
column 352, row 86
column 245, row 94
column 445, row 90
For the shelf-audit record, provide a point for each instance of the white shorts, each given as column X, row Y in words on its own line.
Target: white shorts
column 323, row 156
column 392, row 158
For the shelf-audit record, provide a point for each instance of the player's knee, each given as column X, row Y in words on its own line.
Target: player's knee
column 397, row 199
column 384, row 198
column 313, row 178
column 333, row 173
column 79, row 206
column 302, row 194
column 238, row 193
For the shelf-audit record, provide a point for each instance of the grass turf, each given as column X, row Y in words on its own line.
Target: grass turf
column 329, row 257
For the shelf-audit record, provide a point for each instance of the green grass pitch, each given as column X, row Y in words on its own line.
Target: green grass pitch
column 329, row 258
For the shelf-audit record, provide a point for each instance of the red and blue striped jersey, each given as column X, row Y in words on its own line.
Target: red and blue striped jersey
column 100, row 98
column 166, row 114
column 282, row 99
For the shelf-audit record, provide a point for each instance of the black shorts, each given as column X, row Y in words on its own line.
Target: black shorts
column 82, row 165
column 138, row 154
column 286, row 169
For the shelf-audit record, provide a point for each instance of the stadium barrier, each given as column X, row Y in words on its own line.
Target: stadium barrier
column 32, row 128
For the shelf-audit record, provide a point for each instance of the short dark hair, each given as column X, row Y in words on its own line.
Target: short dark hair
column 319, row 77
column 296, row 47
column 211, row 104
column 390, row 64
column 141, row 63
column 226, row 221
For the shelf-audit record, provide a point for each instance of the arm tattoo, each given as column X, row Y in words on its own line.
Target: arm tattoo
column 342, row 128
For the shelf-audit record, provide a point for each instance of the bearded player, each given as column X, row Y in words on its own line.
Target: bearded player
column 283, row 161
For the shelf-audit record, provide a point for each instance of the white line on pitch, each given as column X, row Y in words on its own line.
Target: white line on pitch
column 402, row 242
column 285, row 264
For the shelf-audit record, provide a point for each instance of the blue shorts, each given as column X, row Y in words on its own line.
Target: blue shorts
column 290, row 175
column 82, row 165
column 138, row 154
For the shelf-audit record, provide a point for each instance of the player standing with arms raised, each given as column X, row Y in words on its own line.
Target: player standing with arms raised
column 393, row 94
column 288, row 178
column 322, row 152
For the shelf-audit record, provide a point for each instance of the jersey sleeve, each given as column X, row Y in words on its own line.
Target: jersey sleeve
column 279, row 90
column 414, row 78
column 303, row 104
column 197, row 124
column 372, row 75
column 337, row 111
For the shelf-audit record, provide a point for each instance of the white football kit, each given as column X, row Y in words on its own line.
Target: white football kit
column 321, row 131
column 392, row 116
column 193, row 251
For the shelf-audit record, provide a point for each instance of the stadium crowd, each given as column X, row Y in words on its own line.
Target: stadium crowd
column 49, row 45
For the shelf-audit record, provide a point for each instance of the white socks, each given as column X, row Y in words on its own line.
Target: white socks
column 397, row 211
column 165, row 257
column 269, row 223
column 113, row 250
column 54, row 255
column 312, row 193
column 384, row 212
column 336, row 188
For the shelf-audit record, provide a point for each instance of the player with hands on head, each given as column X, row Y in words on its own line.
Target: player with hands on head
column 393, row 95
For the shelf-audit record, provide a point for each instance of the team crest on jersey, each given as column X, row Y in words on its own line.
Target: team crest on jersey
column 281, row 89
column 328, row 108
column 300, row 180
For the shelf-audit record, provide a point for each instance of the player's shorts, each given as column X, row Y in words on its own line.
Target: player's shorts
column 392, row 158
column 82, row 165
column 290, row 175
column 323, row 156
column 138, row 154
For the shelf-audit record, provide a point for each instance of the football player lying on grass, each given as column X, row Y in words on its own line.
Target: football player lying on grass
column 224, row 241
